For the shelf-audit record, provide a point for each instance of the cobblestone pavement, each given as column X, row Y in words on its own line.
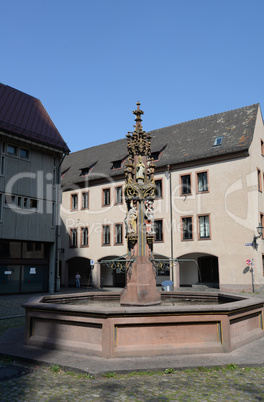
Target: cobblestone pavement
column 45, row 384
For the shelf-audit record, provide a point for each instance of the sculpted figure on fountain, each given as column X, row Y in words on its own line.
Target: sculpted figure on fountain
column 131, row 219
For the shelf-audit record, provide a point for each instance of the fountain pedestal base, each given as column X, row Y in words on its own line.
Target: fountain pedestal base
column 141, row 289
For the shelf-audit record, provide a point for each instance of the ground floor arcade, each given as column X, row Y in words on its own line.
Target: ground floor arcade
column 193, row 269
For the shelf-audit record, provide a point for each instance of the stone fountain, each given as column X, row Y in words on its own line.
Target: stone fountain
column 141, row 289
column 136, row 323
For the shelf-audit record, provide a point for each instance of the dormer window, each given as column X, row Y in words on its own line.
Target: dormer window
column 218, row 141
column 157, row 152
column 155, row 155
column 85, row 171
column 117, row 164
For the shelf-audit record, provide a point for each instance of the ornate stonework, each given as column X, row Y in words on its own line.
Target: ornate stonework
column 139, row 172
column 139, row 220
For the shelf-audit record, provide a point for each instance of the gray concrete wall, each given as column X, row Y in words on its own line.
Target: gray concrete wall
column 27, row 179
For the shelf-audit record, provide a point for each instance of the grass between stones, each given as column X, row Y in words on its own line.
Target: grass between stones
column 168, row 371
column 57, row 370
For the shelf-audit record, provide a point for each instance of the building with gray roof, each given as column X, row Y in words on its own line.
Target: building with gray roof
column 31, row 153
column 209, row 202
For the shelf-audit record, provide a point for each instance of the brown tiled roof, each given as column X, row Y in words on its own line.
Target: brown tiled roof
column 25, row 116
column 181, row 143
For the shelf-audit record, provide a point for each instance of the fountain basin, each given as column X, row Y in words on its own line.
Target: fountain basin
column 120, row 331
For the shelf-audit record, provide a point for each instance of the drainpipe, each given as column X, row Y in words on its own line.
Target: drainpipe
column 57, row 223
column 172, row 273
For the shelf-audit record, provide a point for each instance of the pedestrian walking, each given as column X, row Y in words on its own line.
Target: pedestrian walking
column 77, row 280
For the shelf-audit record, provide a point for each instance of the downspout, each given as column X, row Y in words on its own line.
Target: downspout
column 171, row 225
column 57, row 220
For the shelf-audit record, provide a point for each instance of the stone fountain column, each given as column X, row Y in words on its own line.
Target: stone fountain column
column 140, row 289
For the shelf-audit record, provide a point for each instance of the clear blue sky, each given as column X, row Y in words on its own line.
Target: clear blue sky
column 90, row 61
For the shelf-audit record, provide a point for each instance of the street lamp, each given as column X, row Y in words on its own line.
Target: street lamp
column 260, row 231
column 260, row 235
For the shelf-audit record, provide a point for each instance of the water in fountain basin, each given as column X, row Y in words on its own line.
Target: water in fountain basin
column 167, row 301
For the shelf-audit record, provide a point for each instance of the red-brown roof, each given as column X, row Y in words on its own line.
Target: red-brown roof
column 25, row 116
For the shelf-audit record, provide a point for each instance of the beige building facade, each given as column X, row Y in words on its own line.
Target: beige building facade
column 209, row 203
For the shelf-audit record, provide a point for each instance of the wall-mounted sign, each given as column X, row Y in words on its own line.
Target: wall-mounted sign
column 32, row 271
column 8, row 272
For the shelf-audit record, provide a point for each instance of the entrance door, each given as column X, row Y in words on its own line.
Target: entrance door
column 209, row 270
column 81, row 265
column 119, row 279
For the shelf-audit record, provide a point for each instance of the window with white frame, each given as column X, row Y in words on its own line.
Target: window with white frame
column 158, row 189
column 73, row 240
column 158, row 230
column 261, row 221
column 187, row 228
column 202, row 182
column 186, row 184
column 204, row 227
column 84, row 237
column 74, row 202
column 106, row 196
column 259, row 180
column 85, row 200
column 118, row 233
column 119, row 195
column 106, row 234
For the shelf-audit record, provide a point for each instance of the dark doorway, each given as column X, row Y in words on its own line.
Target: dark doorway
column 81, row 265
column 119, row 279
column 208, row 266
